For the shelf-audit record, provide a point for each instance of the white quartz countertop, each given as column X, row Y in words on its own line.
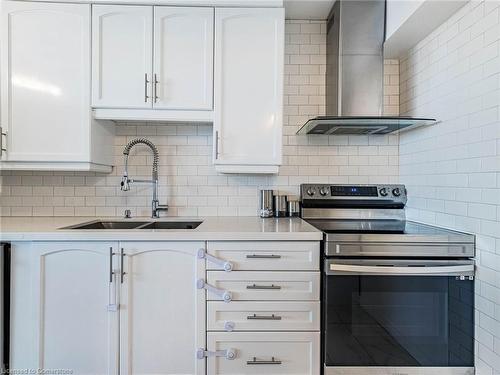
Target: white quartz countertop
column 211, row 229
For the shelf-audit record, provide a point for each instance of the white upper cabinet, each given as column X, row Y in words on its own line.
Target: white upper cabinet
column 190, row 3
column 45, row 97
column 122, row 56
column 155, row 58
column 249, row 62
column 183, row 58
column 66, row 68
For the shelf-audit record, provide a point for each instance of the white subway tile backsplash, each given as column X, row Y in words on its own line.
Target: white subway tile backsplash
column 452, row 169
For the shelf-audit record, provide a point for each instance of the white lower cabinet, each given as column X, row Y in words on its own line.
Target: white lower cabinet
column 263, row 316
column 151, row 307
column 108, row 307
column 266, row 286
column 162, row 314
column 290, row 353
column 60, row 299
column 273, row 256
column 270, row 324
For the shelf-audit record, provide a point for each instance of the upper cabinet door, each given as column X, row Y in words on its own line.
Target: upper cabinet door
column 45, row 81
column 249, row 61
column 122, row 54
column 183, row 58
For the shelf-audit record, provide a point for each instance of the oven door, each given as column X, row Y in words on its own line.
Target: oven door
column 398, row 314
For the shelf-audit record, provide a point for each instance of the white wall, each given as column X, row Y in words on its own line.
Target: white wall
column 398, row 12
column 410, row 21
column 188, row 182
column 452, row 170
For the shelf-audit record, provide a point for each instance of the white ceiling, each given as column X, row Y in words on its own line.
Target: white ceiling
column 308, row 9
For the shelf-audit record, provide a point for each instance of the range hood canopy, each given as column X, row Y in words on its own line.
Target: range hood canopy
column 355, row 74
column 362, row 125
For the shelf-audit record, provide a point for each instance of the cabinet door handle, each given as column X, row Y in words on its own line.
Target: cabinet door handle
column 111, row 264
column 272, row 287
column 263, row 256
column 155, row 94
column 263, row 317
column 113, row 302
column 2, row 147
column 146, row 81
column 255, row 361
column 216, row 144
column 122, row 273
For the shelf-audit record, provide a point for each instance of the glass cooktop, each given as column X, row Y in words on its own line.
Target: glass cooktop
column 360, row 226
column 370, row 237
column 379, row 226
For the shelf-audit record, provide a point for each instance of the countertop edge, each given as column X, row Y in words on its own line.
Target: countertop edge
column 158, row 236
column 211, row 229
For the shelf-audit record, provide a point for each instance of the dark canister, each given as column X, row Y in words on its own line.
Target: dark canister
column 280, row 205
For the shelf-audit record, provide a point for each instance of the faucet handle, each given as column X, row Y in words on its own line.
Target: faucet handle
column 127, row 214
column 124, row 185
column 157, row 207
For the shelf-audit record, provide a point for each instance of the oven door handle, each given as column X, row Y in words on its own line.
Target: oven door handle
column 466, row 270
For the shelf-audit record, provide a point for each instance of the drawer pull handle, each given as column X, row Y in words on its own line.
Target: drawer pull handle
column 255, row 361
column 263, row 256
column 272, row 286
column 263, row 317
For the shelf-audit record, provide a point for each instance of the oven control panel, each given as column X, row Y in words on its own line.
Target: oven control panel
column 328, row 192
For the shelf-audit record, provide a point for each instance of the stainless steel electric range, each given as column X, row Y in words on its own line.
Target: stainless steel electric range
column 397, row 296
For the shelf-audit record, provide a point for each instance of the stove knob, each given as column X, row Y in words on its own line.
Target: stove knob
column 310, row 192
column 396, row 192
column 323, row 191
column 383, row 192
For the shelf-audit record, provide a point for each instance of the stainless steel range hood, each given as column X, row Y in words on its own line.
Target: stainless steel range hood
column 362, row 125
column 355, row 74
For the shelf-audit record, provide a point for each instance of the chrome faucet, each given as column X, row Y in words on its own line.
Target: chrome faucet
column 156, row 207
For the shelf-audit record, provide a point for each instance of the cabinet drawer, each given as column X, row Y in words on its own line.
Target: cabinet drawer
column 266, row 286
column 290, row 353
column 263, row 256
column 263, row 316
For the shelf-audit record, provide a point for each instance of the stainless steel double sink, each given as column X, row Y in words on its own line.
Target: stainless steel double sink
column 123, row 224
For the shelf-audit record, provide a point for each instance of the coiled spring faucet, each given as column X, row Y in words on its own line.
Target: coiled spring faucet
column 156, row 207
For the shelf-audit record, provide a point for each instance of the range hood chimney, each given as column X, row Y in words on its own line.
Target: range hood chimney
column 355, row 74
